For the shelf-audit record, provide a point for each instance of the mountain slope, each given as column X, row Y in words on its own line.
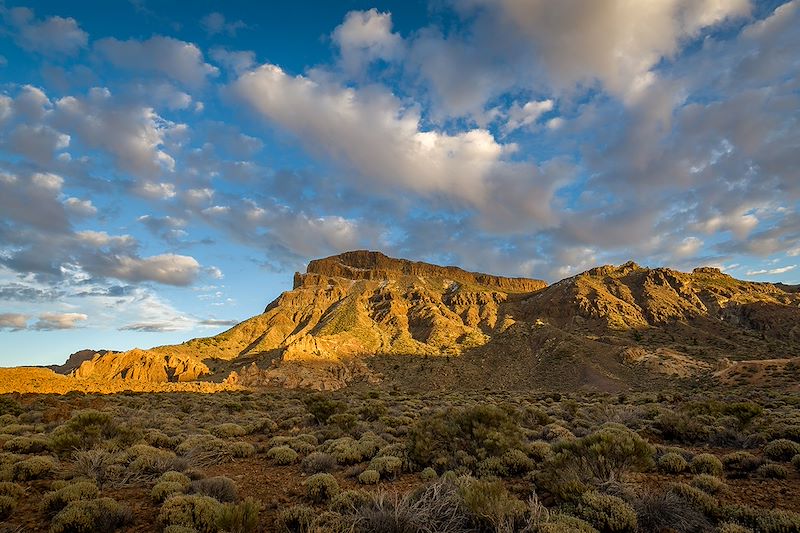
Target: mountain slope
column 430, row 326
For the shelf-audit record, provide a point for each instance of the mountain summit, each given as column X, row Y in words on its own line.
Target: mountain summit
column 363, row 316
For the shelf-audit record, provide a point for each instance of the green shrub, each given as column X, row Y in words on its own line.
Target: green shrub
column 221, row 488
column 239, row 518
column 83, row 431
column 11, row 489
column 164, row 489
column 539, row 450
column 706, row 463
column 708, row 483
column 229, row 430
column 36, row 467
column 607, row 513
column 773, row 471
column 667, row 511
column 482, row 431
column 778, row 521
column 321, row 487
column 91, row 516
column 781, row 450
column 516, row 462
column 733, row 527
column 672, row 463
column 27, row 444
column 369, row 477
column 349, row 500
column 53, row 502
column 696, row 498
column 561, row 523
column 740, row 463
column 7, row 506
column 387, row 466
column 198, row 512
column 175, row 477
column 490, row 504
column 322, row 407
column 282, row 455
column 317, row 462
column 329, row 521
column 296, row 519
column 428, row 474
column 796, row 462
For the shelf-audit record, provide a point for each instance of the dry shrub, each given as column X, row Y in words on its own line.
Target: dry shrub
column 318, row 462
column 53, row 502
column 37, row 467
column 100, row 515
column 239, row 518
column 321, row 487
column 198, row 512
column 607, row 513
column 220, row 488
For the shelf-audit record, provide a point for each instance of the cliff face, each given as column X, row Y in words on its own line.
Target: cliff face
column 610, row 327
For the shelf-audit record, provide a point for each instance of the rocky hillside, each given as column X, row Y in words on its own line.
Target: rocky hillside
column 363, row 316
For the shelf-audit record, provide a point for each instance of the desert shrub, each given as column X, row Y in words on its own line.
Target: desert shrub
column 386, row 466
column 9, row 406
column 221, row 488
column 428, row 474
column 556, row 432
column 539, row 450
column 322, row 407
column 696, row 498
column 175, row 477
column 348, row 501
column 229, row 429
column 796, row 462
column 740, row 463
column 239, row 518
column 781, row 450
column 682, row 427
column 672, row 463
column 53, row 502
column 179, row 529
column 91, row 516
column 204, row 450
column 83, row 431
column 435, row 508
column 7, row 506
column 36, row 467
column 369, row 477
column 773, row 471
column 667, row 511
column 11, row 489
column 198, row 512
column 34, row 444
column 733, row 527
column 607, row 513
column 147, row 462
column 164, row 489
column 778, row 521
column 706, row 463
column 344, row 421
column 492, row 467
column 490, row 504
column 296, row 519
column 318, row 462
column 302, row 444
column 329, row 521
column 596, row 458
column 372, row 411
column 516, row 462
column 560, row 523
column 282, row 455
column 345, row 450
column 97, row 464
column 482, row 431
column 708, row 483
column 321, row 487
column 159, row 439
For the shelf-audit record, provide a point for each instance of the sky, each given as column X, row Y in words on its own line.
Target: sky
column 166, row 166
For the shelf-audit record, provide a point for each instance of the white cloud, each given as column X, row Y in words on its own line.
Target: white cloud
column 156, row 191
column 235, row 61
column 53, row 321
column 771, row 271
column 83, row 208
column 526, row 115
column 175, row 59
column 169, row 269
column 688, row 247
column 54, row 36
column 13, row 321
column 364, row 37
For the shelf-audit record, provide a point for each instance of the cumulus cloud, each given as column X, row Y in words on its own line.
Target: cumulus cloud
column 13, row 321
column 53, row 36
column 55, row 321
column 169, row 269
column 520, row 116
column 177, row 60
column 364, row 37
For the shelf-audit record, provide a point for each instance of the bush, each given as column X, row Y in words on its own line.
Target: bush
column 482, row 431
column 369, row 477
column 740, row 463
column 37, row 467
column 706, row 463
column 490, row 504
column 176, row 477
column 667, row 511
column 297, row 518
column 229, row 430
column 672, row 463
column 53, row 502
column 198, row 512
column 561, row 523
column 387, row 466
column 83, row 431
column 27, row 445
column 796, row 462
column 428, row 474
column 733, row 527
column 696, row 498
column 91, row 516
column 708, row 483
column 773, row 471
column 164, row 489
column 221, row 488
column 322, row 407
column 282, row 455
column 781, row 450
column 607, row 513
column 318, row 462
column 7, row 506
column 516, row 462
column 321, row 487
column 11, row 489
column 239, row 518
column 97, row 464
column 349, row 500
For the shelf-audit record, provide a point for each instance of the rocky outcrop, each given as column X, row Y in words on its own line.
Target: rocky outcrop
column 141, row 365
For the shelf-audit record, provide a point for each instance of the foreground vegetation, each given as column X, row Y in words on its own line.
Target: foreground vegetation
column 368, row 460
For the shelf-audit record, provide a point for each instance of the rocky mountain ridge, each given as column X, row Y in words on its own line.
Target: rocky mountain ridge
column 363, row 316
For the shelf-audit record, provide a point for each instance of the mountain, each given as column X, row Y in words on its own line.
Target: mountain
column 363, row 316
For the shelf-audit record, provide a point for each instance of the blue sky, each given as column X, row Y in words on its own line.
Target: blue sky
column 166, row 166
